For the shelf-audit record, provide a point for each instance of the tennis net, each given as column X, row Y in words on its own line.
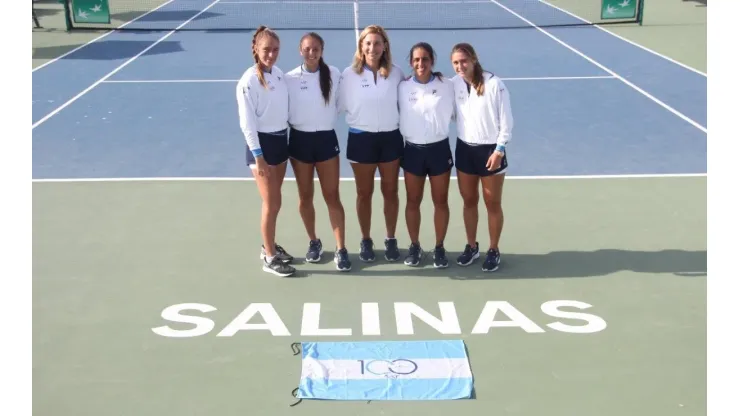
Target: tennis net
column 216, row 15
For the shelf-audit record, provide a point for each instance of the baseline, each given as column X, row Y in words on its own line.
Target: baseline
column 195, row 81
column 350, row 179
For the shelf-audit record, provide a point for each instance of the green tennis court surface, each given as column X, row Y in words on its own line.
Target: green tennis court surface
column 109, row 257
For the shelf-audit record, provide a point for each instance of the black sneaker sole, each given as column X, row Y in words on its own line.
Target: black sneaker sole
column 364, row 260
column 474, row 258
column 275, row 272
column 316, row 260
column 412, row 264
column 342, row 270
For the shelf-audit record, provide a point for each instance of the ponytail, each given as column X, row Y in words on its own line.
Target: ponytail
column 478, row 81
column 324, row 72
column 261, row 31
column 325, row 80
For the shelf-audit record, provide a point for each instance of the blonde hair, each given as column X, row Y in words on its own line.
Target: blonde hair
column 259, row 34
column 468, row 50
column 386, row 62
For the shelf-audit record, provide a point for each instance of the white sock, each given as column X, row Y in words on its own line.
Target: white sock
column 269, row 259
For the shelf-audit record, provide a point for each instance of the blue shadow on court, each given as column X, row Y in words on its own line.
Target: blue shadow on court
column 164, row 19
column 109, row 50
column 178, row 16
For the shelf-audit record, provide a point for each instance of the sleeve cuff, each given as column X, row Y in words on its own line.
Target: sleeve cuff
column 256, row 152
column 501, row 148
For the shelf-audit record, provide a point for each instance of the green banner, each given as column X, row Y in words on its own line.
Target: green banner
column 91, row 11
column 618, row 9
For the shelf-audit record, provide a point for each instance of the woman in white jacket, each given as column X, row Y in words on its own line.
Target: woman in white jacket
column 313, row 88
column 484, row 123
column 368, row 93
column 427, row 105
column 262, row 99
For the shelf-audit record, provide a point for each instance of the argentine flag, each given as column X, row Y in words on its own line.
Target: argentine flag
column 394, row 370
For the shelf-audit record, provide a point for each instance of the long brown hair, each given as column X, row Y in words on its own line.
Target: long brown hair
column 324, row 71
column 468, row 50
column 261, row 31
column 430, row 51
column 386, row 62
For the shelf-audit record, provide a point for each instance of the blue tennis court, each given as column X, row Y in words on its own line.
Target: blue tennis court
column 149, row 104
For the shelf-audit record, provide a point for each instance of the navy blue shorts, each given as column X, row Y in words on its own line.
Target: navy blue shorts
column 427, row 159
column 381, row 147
column 313, row 147
column 472, row 159
column 274, row 148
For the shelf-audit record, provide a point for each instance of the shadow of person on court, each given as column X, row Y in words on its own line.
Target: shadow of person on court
column 556, row 264
column 326, row 258
column 107, row 50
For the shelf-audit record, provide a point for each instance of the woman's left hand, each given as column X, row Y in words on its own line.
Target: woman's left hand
column 494, row 162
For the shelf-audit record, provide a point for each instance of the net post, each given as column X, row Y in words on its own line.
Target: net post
column 36, row 23
column 356, row 13
column 640, row 11
column 67, row 18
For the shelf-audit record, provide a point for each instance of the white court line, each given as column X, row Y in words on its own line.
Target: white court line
column 669, row 59
column 586, row 57
column 345, row 179
column 195, row 81
column 165, row 81
column 123, row 65
column 558, row 78
column 100, row 37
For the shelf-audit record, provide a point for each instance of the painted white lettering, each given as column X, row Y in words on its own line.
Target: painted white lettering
column 370, row 319
column 273, row 323
column 445, row 322
column 486, row 319
column 594, row 323
column 311, row 322
column 449, row 324
column 172, row 313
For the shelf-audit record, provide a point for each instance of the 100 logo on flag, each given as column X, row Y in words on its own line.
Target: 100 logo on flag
column 391, row 369
column 429, row 370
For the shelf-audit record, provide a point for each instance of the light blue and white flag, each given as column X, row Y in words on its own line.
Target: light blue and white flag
column 393, row 370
